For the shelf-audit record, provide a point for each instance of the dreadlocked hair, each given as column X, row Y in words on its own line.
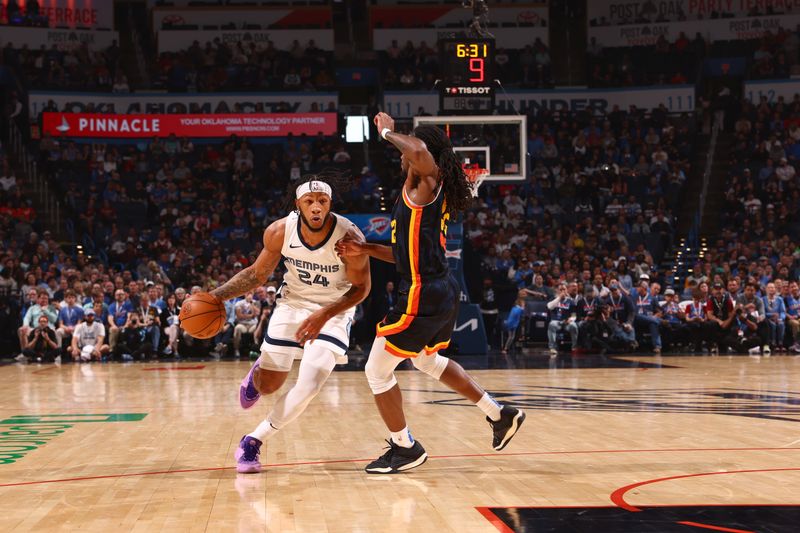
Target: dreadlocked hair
column 456, row 187
column 339, row 181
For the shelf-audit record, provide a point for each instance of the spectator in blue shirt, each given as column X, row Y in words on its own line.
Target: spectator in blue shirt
column 792, row 302
column 118, row 316
column 152, row 296
column 511, row 325
column 623, row 314
column 647, row 315
column 775, row 312
column 98, row 303
column 523, row 275
column 562, row 316
column 69, row 316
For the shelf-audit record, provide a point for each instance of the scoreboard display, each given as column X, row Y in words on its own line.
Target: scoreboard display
column 467, row 75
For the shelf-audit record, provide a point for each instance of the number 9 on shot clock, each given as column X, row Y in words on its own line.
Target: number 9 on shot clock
column 467, row 75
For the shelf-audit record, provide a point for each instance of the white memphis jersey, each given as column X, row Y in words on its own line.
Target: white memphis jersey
column 315, row 275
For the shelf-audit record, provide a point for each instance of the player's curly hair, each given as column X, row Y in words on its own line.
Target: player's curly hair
column 456, row 187
column 339, row 181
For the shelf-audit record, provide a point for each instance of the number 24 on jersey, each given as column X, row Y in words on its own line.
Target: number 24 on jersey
column 319, row 279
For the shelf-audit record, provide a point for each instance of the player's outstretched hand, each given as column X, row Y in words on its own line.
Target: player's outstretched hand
column 382, row 120
column 311, row 326
column 349, row 247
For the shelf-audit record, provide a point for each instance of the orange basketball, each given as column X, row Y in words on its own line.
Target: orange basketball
column 202, row 315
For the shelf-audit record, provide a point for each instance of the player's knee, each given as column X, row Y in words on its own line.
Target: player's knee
column 433, row 365
column 309, row 389
column 267, row 382
column 379, row 376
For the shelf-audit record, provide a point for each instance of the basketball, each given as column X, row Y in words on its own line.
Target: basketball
column 202, row 315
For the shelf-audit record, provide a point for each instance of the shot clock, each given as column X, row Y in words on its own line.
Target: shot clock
column 467, row 75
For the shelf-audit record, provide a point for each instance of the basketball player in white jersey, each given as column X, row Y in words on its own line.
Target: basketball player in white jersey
column 314, row 310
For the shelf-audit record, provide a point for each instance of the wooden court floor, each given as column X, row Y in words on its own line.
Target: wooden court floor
column 673, row 444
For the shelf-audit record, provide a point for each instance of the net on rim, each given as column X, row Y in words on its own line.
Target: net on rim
column 475, row 176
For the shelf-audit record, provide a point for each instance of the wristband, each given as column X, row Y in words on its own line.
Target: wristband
column 384, row 132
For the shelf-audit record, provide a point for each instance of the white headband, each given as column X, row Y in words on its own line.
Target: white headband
column 314, row 186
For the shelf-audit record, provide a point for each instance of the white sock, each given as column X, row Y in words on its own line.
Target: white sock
column 489, row 406
column 264, row 431
column 403, row 438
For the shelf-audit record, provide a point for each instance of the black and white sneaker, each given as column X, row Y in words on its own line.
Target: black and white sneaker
column 398, row 459
column 511, row 419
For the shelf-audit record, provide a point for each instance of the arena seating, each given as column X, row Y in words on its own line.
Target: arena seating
column 217, row 66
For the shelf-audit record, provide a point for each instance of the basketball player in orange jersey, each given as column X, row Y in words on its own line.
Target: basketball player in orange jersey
column 314, row 310
column 435, row 191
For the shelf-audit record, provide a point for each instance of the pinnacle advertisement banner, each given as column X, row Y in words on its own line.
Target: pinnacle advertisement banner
column 139, row 126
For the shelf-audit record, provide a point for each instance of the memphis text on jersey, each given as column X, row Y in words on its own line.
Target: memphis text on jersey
column 307, row 265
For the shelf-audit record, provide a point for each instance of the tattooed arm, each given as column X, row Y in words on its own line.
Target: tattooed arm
column 257, row 273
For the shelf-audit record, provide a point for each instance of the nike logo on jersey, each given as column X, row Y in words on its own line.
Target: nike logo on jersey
column 298, row 246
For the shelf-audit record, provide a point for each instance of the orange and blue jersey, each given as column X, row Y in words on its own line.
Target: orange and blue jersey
column 419, row 238
column 427, row 307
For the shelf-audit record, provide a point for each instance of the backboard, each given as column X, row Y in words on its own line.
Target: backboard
column 496, row 142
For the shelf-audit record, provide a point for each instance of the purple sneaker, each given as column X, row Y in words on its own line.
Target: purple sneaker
column 248, row 394
column 247, row 455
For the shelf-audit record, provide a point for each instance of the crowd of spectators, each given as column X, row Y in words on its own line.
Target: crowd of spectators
column 660, row 64
column 775, row 55
column 170, row 196
column 720, row 314
column 212, row 67
column 77, row 67
column 163, row 218
column 14, row 205
column 87, row 311
column 742, row 297
column 599, row 202
column 600, row 188
column 23, row 13
column 762, row 196
column 245, row 66
column 577, row 240
column 417, row 67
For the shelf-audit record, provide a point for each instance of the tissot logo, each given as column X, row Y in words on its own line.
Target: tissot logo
column 777, row 405
column 468, row 90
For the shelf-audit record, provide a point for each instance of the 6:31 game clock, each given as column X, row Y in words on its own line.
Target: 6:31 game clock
column 467, row 75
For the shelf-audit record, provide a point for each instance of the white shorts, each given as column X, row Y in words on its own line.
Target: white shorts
column 280, row 348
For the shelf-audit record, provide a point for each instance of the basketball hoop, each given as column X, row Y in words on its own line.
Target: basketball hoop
column 475, row 176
